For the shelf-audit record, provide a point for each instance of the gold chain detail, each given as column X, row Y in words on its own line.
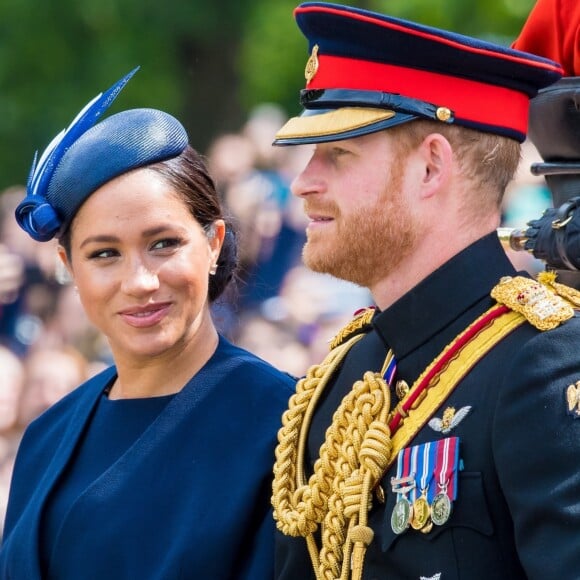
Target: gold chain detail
column 353, row 458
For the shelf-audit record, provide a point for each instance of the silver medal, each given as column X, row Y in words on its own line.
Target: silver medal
column 401, row 516
column 440, row 509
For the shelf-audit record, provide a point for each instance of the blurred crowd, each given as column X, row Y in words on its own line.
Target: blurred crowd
column 278, row 309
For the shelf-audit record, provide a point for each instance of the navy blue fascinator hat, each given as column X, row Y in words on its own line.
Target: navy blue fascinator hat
column 87, row 155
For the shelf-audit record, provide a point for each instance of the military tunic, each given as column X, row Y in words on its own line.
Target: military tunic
column 517, row 510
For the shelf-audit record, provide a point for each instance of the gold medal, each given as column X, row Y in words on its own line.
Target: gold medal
column 440, row 509
column 401, row 516
column 421, row 513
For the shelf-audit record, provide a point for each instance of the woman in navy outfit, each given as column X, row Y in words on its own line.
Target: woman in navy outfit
column 159, row 467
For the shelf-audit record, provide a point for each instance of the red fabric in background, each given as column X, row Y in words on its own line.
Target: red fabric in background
column 552, row 30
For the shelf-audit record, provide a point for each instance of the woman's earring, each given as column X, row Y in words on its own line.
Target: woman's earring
column 213, row 270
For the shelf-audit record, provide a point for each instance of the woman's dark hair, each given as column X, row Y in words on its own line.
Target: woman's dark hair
column 189, row 176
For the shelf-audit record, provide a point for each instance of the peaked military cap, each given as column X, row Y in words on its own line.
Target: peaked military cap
column 367, row 72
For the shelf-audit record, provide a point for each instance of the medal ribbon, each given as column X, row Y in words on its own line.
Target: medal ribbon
column 427, row 459
column 396, row 483
column 391, row 368
column 447, row 464
column 404, row 481
column 414, row 470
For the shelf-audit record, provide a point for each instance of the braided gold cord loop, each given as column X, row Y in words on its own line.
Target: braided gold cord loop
column 300, row 507
column 359, row 445
column 352, row 459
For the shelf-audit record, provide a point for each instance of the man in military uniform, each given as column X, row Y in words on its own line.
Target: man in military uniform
column 440, row 437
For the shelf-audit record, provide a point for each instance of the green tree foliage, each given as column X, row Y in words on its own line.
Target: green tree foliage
column 207, row 62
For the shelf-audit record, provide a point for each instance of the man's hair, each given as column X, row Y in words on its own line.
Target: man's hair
column 488, row 161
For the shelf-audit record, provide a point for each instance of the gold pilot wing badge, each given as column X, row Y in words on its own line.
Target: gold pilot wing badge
column 451, row 418
column 573, row 399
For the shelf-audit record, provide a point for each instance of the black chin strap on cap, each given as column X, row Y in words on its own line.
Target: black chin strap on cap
column 314, row 99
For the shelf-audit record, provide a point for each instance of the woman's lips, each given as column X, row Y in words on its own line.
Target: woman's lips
column 145, row 317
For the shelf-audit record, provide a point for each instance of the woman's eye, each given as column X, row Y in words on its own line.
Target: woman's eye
column 102, row 254
column 165, row 243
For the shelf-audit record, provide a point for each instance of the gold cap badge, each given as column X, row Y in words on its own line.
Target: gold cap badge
column 311, row 64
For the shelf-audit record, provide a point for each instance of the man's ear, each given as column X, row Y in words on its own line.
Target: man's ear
column 437, row 156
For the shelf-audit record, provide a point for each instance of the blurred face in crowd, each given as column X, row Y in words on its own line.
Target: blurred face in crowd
column 355, row 193
column 141, row 263
column 50, row 375
column 11, row 385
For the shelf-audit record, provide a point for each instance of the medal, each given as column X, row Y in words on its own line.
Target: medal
column 421, row 513
column 421, row 509
column 441, row 508
column 402, row 484
column 401, row 516
column 446, row 476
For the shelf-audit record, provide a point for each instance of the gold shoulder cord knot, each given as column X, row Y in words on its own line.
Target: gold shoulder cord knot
column 353, row 457
column 544, row 303
column 567, row 292
column 360, row 323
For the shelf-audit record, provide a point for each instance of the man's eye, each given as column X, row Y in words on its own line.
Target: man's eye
column 339, row 151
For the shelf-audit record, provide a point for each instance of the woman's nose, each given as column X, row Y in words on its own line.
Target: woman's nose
column 140, row 279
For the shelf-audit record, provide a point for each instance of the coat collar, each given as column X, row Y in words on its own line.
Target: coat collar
column 444, row 296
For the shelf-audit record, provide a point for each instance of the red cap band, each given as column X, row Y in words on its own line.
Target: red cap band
column 469, row 100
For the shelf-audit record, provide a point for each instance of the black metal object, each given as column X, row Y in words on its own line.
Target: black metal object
column 554, row 129
column 555, row 237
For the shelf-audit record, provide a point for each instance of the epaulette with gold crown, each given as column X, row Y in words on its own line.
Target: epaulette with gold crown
column 359, row 324
column 544, row 302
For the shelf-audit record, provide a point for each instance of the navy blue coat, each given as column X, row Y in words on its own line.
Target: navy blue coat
column 517, row 512
column 190, row 499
